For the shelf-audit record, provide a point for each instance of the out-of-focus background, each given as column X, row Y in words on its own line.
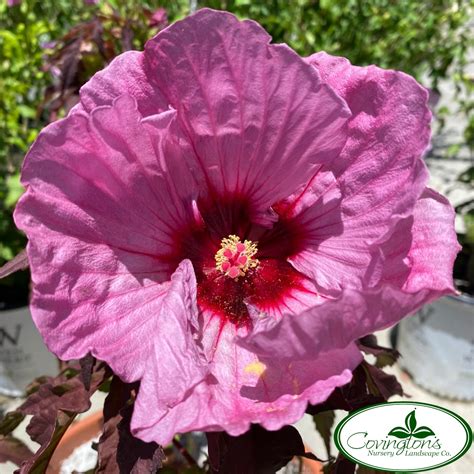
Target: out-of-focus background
column 50, row 48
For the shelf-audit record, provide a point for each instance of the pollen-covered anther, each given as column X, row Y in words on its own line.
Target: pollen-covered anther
column 234, row 257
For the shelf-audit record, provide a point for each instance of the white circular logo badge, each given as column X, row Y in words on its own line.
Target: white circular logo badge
column 403, row 436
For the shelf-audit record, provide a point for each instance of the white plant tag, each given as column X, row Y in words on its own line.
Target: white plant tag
column 23, row 354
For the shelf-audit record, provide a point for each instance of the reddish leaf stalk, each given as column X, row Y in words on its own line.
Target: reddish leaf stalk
column 185, row 453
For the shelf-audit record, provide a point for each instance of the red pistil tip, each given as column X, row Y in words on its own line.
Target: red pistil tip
column 234, row 257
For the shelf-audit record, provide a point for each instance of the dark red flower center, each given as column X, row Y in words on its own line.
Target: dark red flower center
column 238, row 263
column 266, row 287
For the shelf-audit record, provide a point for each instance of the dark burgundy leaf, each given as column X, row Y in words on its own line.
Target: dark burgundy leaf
column 127, row 37
column 54, row 403
column 37, row 383
column 340, row 466
column 39, row 462
column 258, row 451
column 101, row 374
column 87, row 363
column 369, row 385
column 231, row 454
column 99, row 40
column 44, row 404
column 385, row 385
column 336, row 401
column 70, row 65
column 117, row 398
column 216, row 449
column 13, row 450
column 385, row 356
column 352, row 396
column 119, row 451
column 20, row 262
column 66, row 392
column 275, row 449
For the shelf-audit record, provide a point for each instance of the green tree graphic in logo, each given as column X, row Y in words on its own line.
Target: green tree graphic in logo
column 410, row 429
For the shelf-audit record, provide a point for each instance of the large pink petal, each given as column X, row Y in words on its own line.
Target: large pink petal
column 243, row 389
column 260, row 119
column 151, row 334
column 144, row 330
column 175, row 363
column 421, row 250
column 126, row 74
column 101, row 239
column 414, row 266
column 335, row 323
column 137, row 212
column 380, row 173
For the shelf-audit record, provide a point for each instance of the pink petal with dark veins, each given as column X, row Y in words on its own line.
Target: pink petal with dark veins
column 260, row 119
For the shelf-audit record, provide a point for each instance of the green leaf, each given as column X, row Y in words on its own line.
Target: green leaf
column 399, row 432
column 410, row 421
column 26, row 111
column 10, row 422
column 423, row 432
column 469, row 224
column 467, row 176
column 14, row 190
column 324, row 422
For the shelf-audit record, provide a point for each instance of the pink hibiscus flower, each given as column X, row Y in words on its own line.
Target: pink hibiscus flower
column 221, row 219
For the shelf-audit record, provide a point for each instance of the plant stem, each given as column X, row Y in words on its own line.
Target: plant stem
column 184, row 452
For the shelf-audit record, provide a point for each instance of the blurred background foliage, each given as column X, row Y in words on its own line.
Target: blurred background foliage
column 49, row 48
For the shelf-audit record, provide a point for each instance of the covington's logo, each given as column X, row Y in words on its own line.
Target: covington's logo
column 403, row 436
column 408, row 440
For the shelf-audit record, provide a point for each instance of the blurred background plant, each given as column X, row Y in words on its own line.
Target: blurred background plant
column 49, row 48
column 464, row 265
column 429, row 40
